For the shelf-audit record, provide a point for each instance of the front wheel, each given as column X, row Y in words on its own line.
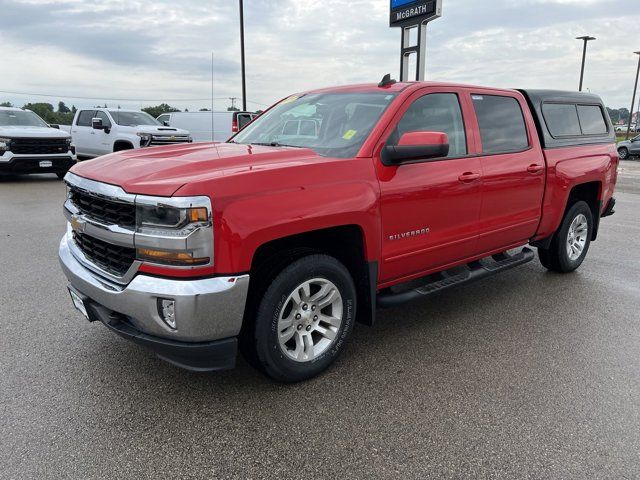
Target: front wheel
column 623, row 153
column 571, row 242
column 304, row 319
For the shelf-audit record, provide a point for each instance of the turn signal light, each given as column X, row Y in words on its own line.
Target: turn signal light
column 170, row 258
column 198, row 215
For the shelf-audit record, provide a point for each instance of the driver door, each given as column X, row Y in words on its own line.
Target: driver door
column 430, row 209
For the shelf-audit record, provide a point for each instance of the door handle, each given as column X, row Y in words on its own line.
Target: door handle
column 534, row 168
column 468, row 177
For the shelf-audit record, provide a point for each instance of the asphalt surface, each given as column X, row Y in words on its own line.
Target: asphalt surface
column 525, row 375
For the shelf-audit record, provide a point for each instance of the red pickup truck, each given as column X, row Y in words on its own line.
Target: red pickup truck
column 330, row 204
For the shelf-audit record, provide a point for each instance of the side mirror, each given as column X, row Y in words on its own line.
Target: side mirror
column 54, row 125
column 415, row 147
column 96, row 123
column 166, row 123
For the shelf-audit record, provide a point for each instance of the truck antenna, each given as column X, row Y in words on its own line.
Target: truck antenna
column 386, row 81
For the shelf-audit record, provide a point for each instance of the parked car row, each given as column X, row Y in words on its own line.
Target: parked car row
column 28, row 144
column 623, row 128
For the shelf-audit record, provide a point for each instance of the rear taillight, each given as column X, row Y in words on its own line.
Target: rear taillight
column 234, row 126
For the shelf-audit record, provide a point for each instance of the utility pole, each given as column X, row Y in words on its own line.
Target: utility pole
column 244, row 79
column 586, row 39
column 633, row 100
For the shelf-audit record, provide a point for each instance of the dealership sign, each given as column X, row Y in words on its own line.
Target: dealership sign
column 414, row 12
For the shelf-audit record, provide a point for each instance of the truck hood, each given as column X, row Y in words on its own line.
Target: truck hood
column 16, row 131
column 162, row 171
column 158, row 130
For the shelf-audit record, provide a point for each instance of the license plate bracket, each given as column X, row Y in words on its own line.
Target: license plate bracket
column 46, row 164
column 79, row 303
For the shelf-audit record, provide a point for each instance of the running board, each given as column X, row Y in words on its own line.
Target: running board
column 472, row 271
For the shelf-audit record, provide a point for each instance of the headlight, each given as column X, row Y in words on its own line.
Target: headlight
column 5, row 145
column 175, row 231
column 167, row 217
column 145, row 139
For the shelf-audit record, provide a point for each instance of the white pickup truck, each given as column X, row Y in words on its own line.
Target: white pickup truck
column 28, row 144
column 98, row 131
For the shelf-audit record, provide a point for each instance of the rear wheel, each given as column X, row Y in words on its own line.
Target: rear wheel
column 623, row 153
column 303, row 319
column 571, row 242
column 61, row 175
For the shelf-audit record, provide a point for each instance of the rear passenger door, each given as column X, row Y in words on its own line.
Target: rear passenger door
column 513, row 170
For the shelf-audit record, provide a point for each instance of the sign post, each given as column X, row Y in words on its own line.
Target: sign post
column 409, row 15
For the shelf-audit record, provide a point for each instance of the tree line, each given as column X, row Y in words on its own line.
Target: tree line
column 64, row 115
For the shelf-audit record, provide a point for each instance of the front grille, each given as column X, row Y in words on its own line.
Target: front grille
column 102, row 209
column 168, row 139
column 111, row 258
column 39, row 146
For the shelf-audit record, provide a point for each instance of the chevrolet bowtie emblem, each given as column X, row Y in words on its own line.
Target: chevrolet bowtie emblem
column 78, row 225
column 172, row 137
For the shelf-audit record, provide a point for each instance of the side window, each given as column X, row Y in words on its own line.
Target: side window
column 591, row 120
column 436, row 112
column 501, row 122
column 163, row 118
column 105, row 119
column 84, row 118
column 561, row 119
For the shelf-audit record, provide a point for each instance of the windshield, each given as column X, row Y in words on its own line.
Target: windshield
column 332, row 124
column 132, row 119
column 20, row 118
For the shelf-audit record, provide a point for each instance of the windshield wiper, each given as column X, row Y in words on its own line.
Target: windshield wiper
column 275, row 144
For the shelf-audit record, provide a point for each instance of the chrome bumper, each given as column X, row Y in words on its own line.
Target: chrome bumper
column 205, row 310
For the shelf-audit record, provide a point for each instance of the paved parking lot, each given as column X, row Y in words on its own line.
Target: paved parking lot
column 524, row 375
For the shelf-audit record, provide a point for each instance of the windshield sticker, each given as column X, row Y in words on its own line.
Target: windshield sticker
column 477, row 97
column 349, row 134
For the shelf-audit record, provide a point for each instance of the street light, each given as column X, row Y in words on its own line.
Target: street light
column 244, row 80
column 586, row 39
column 633, row 100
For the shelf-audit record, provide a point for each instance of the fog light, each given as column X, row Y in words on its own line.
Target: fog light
column 167, row 311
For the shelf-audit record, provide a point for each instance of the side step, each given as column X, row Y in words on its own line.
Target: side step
column 471, row 272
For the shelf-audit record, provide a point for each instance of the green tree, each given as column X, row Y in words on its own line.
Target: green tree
column 6, row 104
column 160, row 109
column 62, row 108
column 204, row 110
column 44, row 110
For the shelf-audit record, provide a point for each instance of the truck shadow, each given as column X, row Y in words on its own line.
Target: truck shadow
column 31, row 179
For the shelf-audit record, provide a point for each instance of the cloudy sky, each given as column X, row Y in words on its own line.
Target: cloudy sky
column 153, row 51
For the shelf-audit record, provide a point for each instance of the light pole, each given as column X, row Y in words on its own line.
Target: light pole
column 633, row 100
column 244, row 80
column 586, row 39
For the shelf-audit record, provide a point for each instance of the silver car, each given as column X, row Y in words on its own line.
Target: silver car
column 629, row 148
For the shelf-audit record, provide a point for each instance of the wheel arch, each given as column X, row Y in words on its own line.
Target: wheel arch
column 120, row 145
column 345, row 242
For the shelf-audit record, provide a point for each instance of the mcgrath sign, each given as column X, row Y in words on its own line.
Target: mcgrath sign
column 414, row 12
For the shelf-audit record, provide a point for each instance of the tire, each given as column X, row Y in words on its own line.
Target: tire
column 61, row 175
column 291, row 340
column 557, row 257
column 623, row 153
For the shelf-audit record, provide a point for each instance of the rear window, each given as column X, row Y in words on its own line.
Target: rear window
column 592, row 120
column 571, row 120
column 502, row 127
column 561, row 119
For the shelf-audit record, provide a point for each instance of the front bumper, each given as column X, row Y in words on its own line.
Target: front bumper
column 22, row 164
column 208, row 312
